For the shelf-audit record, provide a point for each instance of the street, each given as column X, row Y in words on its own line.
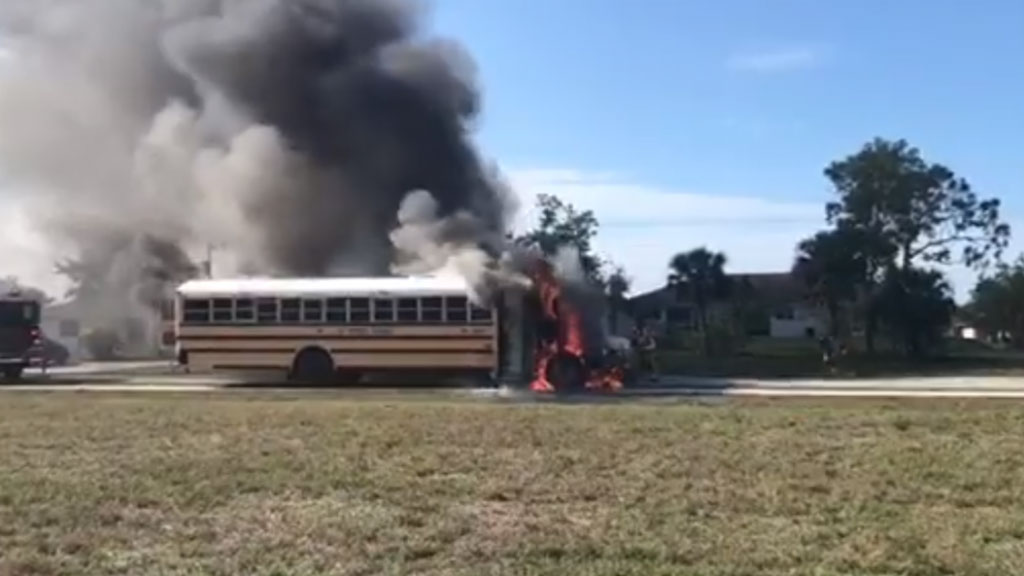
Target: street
column 161, row 376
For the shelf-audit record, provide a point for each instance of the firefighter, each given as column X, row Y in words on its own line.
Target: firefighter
column 828, row 353
column 645, row 347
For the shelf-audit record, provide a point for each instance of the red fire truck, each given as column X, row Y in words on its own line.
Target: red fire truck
column 20, row 338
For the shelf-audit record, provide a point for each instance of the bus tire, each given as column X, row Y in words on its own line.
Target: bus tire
column 13, row 373
column 566, row 373
column 313, row 366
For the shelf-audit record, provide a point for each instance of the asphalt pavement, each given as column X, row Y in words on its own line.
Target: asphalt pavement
column 163, row 376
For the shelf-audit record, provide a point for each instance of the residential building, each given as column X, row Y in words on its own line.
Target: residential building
column 772, row 305
column 140, row 334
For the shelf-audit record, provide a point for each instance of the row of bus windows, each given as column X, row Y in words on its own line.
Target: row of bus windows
column 450, row 310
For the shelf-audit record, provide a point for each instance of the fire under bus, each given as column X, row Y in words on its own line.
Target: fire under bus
column 563, row 360
column 19, row 334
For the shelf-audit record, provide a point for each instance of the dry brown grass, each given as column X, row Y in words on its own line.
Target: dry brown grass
column 261, row 486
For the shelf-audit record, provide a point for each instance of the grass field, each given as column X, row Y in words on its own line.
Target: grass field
column 259, row 486
column 801, row 358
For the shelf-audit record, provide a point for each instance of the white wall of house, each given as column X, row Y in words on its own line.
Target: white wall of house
column 795, row 321
column 65, row 323
column 61, row 324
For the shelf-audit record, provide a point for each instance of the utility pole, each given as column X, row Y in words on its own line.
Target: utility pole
column 209, row 260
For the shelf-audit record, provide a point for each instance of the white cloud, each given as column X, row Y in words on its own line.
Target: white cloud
column 643, row 226
column 777, row 60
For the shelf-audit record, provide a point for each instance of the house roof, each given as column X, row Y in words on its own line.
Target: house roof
column 770, row 287
column 775, row 287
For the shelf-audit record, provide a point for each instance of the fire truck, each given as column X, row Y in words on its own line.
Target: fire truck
column 20, row 338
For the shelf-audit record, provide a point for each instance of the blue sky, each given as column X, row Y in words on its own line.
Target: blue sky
column 685, row 122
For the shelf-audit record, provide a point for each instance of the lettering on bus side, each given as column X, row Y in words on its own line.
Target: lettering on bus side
column 365, row 331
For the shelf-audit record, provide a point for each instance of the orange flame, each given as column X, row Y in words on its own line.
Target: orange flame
column 540, row 381
column 568, row 338
column 573, row 333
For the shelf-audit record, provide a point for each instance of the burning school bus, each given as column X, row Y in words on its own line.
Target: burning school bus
column 321, row 329
column 318, row 328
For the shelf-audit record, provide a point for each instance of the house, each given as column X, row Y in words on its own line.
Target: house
column 773, row 304
column 141, row 333
column 62, row 324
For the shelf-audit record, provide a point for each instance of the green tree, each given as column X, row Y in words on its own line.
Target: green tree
column 922, row 211
column 98, row 272
column 908, row 212
column 561, row 225
column 831, row 264
column 917, row 306
column 700, row 275
column 997, row 303
column 750, row 314
column 83, row 283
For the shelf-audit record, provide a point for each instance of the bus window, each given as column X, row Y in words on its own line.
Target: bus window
column 408, row 310
column 383, row 310
column 313, row 311
column 223, row 310
column 337, row 310
column 359, row 310
column 245, row 310
column 266, row 310
column 477, row 314
column 432, row 310
column 197, row 311
column 291, row 310
column 457, row 309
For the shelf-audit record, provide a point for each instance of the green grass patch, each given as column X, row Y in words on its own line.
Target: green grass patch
column 262, row 486
column 801, row 358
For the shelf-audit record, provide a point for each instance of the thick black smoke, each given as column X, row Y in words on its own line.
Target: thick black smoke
column 372, row 110
column 285, row 132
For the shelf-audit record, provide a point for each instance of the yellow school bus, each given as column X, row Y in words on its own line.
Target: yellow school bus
column 319, row 328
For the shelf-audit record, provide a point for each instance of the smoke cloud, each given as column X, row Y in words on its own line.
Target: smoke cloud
column 301, row 137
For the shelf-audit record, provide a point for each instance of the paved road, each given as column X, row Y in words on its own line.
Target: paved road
column 105, row 368
column 160, row 377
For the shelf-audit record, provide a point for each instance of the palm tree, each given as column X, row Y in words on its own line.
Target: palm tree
column 831, row 266
column 700, row 274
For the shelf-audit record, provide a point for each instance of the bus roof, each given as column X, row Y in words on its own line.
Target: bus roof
column 299, row 287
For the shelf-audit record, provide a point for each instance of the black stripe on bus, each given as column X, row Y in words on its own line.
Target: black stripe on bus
column 454, row 368
column 241, row 324
column 248, row 368
column 432, row 351
column 322, row 337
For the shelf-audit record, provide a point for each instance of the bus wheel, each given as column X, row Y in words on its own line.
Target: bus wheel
column 13, row 373
column 566, row 373
column 313, row 366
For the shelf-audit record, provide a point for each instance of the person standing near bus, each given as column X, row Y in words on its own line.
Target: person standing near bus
column 645, row 346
